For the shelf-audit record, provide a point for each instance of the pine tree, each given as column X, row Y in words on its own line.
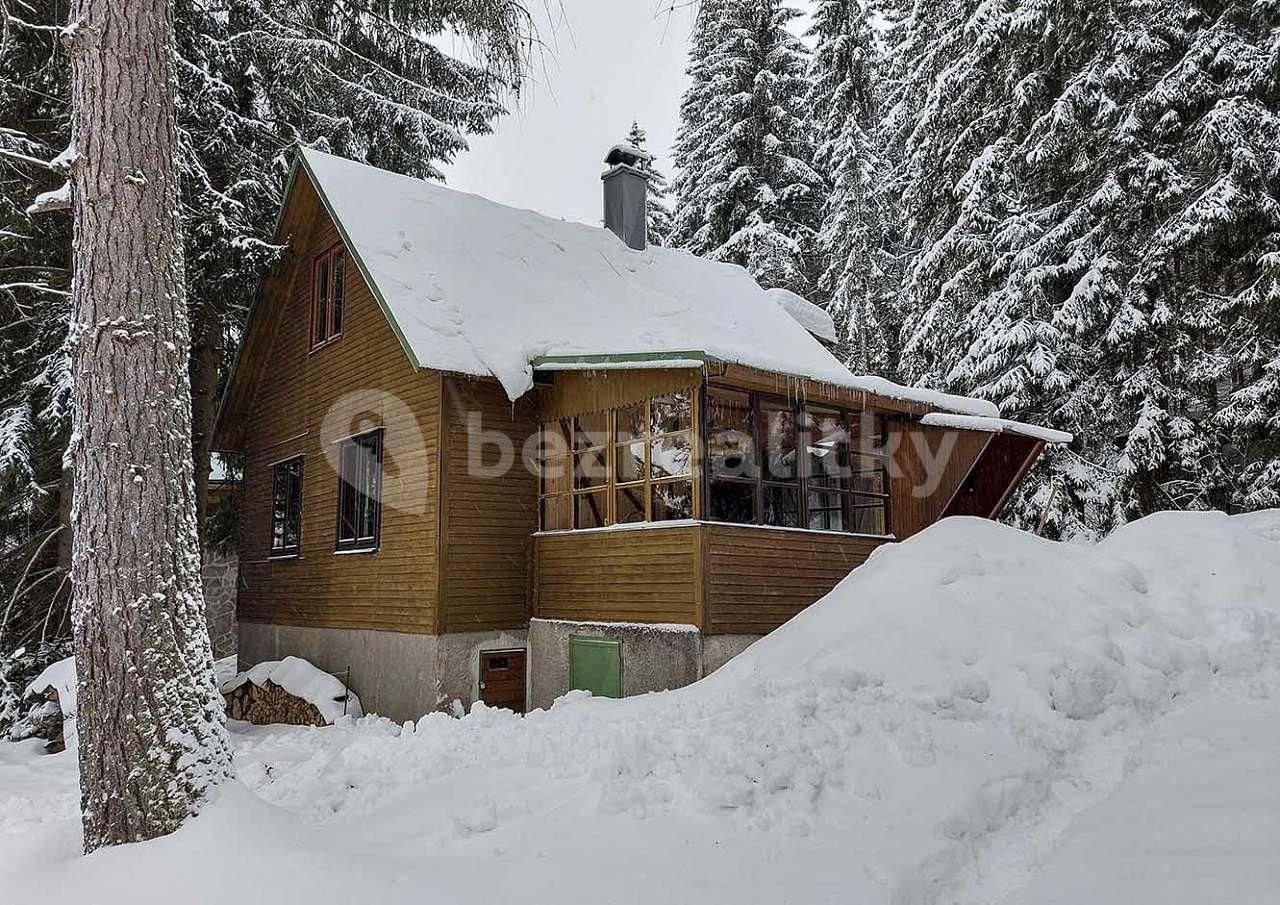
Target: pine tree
column 692, row 151
column 657, row 210
column 757, row 199
column 859, row 284
column 1093, row 222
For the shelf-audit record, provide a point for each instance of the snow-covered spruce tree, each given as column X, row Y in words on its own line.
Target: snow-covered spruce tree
column 696, row 132
column 860, row 282
column 657, row 210
column 34, row 279
column 152, row 737
column 760, row 195
column 258, row 78
column 1092, row 212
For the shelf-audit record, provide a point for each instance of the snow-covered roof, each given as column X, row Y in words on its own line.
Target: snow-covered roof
column 995, row 426
column 479, row 288
column 810, row 316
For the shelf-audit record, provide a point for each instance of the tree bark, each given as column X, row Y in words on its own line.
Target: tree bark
column 151, row 729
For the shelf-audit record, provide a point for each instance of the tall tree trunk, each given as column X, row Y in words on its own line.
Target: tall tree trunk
column 151, row 728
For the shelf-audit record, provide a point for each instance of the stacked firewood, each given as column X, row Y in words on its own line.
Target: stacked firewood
column 269, row 703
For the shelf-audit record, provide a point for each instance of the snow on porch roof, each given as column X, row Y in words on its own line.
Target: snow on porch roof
column 479, row 288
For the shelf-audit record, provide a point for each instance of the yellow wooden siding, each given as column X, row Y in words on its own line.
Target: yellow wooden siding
column 911, row 445
column 395, row 587
column 627, row 575
column 757, row 578
column 489, row 520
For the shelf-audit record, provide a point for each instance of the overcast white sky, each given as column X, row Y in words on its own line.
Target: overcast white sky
column 608, row 62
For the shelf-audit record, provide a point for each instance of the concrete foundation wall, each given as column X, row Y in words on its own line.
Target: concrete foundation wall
column 396, row 674
column 654, row 658
column 717, row 650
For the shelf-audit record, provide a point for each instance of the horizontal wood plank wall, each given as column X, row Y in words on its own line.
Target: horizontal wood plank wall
column 489, row 519
column 922, row 462
column 757, row 579
column 576, row 392
column 363, row 378
column 641, row 575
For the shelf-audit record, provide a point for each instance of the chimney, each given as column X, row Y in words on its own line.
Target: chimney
column 626, row 189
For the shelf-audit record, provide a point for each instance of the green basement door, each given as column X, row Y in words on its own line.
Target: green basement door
column 595, row 665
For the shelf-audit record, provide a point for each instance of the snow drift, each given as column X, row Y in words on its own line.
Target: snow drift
column 974, row 715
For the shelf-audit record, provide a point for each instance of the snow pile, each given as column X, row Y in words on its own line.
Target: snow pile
column 814, row 319
column 302, row 680
column 974, row 714
column 995, row 426
column 61, row 677
column 480, row 288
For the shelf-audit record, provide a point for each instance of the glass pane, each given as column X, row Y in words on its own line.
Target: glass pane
column 589, row 510
column 279, row 507
column 629, row 461
column 672, row 500
column 631, row 422
column 590, row 469
column 557, row 513
column 866, row 431
column 367, row 486
column 826, row 510
column 828, row 448
column 779, row 441
column 730, row 440
column 339, row 290
column 867, row 519
column 293, row 515
column 554, row 440
column 781, row 506
column 630, row 504
column 591, row 430
column 670, row 456
column 555, row 476
column 732, row 501
column 671, row 413
column 867, row 475
column 346, row 494
column 320, row 324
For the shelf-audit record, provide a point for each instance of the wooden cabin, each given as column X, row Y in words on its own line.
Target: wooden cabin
column 489, row 455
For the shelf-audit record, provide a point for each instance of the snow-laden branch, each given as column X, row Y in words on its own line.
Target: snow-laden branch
column 35, row 287
column 26, row 158
column 58, row 199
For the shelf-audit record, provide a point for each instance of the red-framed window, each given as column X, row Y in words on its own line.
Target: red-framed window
column 328, row 290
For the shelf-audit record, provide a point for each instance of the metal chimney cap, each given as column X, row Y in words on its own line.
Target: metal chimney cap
column 628, row 155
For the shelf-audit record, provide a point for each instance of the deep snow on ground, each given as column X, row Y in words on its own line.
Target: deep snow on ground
column 975, row 715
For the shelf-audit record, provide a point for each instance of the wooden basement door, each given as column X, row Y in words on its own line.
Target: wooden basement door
column 502, row 679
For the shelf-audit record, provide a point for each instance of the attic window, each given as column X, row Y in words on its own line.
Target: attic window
column 328, row 291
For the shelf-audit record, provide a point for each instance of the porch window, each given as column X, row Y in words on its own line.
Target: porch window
column 286, row 507
column 327, row 295
column 632, row 464
column 771, row 461
column 360, row 492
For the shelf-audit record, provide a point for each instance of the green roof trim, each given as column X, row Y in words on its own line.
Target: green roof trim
column 360, row 264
